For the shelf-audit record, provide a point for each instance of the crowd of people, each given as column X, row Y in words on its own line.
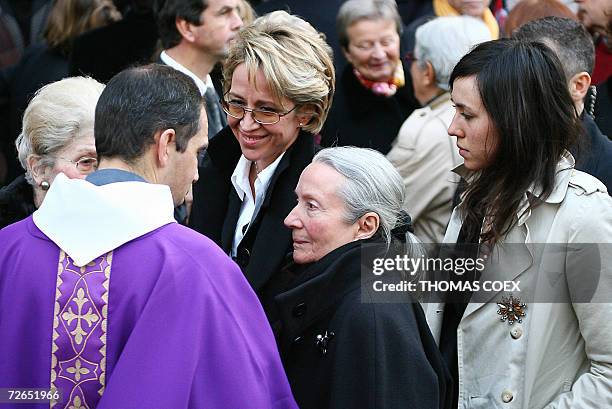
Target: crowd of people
column 194, row 223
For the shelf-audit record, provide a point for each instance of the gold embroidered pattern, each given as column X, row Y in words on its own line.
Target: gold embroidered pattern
column 90, row 318
column 76, row 403
column 77, row 370
column 78, row 351
column 104, row 323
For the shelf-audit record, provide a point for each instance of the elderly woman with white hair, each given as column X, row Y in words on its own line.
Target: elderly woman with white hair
column 57, row 136
column 424, row 153
column 341, row 346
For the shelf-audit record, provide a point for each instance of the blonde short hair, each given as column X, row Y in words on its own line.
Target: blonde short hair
column 58, row 114
column 293, row 57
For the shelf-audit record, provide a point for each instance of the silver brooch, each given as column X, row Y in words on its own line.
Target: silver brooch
column 323, row 340
column 511, row 309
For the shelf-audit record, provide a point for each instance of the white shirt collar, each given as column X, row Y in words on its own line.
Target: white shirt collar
column 240, row 177
column 171, row 62
column 87, row 221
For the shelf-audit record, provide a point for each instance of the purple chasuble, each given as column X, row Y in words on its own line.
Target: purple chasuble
column 164, row 321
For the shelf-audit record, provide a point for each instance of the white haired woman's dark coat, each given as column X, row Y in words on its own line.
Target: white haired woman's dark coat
column 341, row 351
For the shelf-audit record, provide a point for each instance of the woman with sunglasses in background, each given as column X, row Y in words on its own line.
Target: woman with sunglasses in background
column 278, row 86
column 57, row 136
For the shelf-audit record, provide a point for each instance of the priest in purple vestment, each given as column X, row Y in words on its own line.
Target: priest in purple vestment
column 106, row 299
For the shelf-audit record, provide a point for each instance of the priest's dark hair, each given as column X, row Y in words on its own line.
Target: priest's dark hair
column 523, row 89
column 139, row 102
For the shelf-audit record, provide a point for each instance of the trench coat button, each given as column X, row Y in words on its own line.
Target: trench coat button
column 507, row 396
column 299, row 310
column 516, row 332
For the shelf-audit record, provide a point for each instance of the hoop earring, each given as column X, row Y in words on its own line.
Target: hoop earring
column 44, row 185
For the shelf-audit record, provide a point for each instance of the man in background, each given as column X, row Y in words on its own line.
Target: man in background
column 573, row 46
column 195, row 35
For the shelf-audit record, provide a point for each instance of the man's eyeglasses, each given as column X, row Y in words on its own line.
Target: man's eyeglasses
column 261, row 116
column 84, row 165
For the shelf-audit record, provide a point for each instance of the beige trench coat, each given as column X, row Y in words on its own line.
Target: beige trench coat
column 424, row 154
column 560, row 356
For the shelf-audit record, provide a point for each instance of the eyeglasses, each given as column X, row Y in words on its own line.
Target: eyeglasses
column 84, row 165
column 261, row 116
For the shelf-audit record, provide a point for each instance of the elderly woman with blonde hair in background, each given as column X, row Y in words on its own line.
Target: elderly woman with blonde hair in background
column 372, row 100
column 278, row 86
column 57, row 136
column 423, row 152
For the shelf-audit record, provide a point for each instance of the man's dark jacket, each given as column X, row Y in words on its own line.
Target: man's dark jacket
column 594, row 155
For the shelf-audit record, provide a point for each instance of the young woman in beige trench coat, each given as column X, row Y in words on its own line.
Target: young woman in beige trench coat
column 540, row 223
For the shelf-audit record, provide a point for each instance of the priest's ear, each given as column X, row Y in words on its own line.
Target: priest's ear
column 165, row 146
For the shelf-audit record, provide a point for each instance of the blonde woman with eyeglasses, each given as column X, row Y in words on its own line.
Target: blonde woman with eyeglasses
column 278, row 85
column 57, row 136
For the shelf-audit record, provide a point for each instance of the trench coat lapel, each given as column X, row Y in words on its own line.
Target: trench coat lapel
column 507, row 262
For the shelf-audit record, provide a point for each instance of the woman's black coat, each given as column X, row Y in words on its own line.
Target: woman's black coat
column 216, row 205
column 379, row 355
column 358, row 117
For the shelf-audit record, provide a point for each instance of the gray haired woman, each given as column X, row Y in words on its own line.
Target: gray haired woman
column 340, row 347
column 57, row 136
